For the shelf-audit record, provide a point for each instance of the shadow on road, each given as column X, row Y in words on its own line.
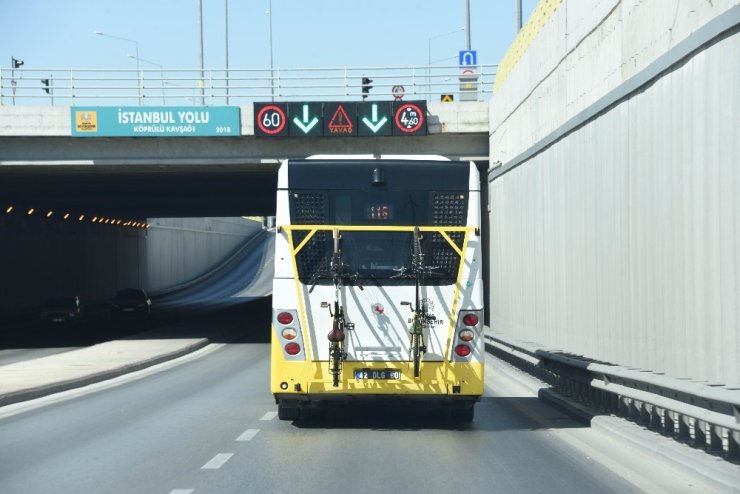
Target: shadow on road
column 493, row 414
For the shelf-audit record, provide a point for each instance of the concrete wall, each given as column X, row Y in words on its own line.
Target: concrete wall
column 614, row 187
column 49, row 258
column 181, row 249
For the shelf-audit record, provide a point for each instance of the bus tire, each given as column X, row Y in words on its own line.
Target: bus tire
column 288, row 412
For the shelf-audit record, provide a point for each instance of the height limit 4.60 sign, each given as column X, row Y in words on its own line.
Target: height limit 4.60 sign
column 410, row 118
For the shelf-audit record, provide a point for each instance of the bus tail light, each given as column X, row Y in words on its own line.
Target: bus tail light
column 287, row 332
column 470, row 319
column 466, row 335
column 285, row 318
column 468, row 344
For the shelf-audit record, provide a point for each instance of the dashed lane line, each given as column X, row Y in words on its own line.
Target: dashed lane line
column 247, row 435
column 217, row 461
column 269, row 416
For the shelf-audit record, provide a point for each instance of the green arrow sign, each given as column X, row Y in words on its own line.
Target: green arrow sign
column 305, row 125
column 305, row 119
column 377, row 122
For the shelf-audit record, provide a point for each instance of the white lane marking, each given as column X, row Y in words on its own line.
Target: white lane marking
column 182, row 491
column 269, row 416
column 247, row 435
column 217, row 461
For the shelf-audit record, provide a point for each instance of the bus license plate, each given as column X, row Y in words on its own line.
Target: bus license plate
column 377, row 374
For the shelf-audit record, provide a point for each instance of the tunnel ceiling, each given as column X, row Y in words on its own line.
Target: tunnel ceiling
column 143, row 191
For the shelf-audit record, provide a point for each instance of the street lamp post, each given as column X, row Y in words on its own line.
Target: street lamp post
column 226, row 46
column 136, row 46
column 161, row 72
column 429, row 58
column 202, row 67
column 272, row 78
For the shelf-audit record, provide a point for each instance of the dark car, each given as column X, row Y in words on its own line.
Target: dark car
column 131, row 302
column 62, row 310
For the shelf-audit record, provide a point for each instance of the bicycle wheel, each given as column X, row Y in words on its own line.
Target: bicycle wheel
column 335, row 358
column 416, row 353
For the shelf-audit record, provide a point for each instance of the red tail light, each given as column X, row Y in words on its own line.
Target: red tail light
column 462, row 350
column 285, row 318
column 292, row 349
column 470, row 319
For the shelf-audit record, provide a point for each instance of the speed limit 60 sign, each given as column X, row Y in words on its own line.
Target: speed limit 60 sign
column 271, row 119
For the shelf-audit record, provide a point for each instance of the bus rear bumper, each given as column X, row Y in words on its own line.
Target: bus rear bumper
column 309, row 399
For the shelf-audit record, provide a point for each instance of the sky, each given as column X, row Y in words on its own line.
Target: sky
column 60, row 34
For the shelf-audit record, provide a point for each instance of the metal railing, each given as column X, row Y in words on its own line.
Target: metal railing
column 28, row 86
column 706, row 416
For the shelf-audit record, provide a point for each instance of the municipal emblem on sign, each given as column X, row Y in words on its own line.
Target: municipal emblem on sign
column 398, row 92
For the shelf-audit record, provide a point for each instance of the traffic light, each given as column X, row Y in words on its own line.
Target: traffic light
column 47, row 88
column 366, row 87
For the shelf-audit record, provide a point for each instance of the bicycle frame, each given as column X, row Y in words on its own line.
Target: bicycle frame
column 336, row 336
column 421, row 318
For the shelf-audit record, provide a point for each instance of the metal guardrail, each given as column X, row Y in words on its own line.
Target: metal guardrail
column 29, row 86
column 707, row 417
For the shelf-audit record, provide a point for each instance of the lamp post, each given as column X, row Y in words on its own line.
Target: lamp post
column 518, row 14
column 161, row 72
column 429, row 57
column 272, row 78
column 136, row 46
column 202, row 81
column 226, row 46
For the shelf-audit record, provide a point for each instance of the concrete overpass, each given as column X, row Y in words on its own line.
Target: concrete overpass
column 191, row 176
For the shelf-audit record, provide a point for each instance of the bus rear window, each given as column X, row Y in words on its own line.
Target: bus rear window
column 377, row 255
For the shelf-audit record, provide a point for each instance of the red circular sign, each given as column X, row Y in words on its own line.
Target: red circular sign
column 271, row 119
column 409, row 118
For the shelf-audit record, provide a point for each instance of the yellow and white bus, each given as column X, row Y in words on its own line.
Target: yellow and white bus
column 378, row 283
